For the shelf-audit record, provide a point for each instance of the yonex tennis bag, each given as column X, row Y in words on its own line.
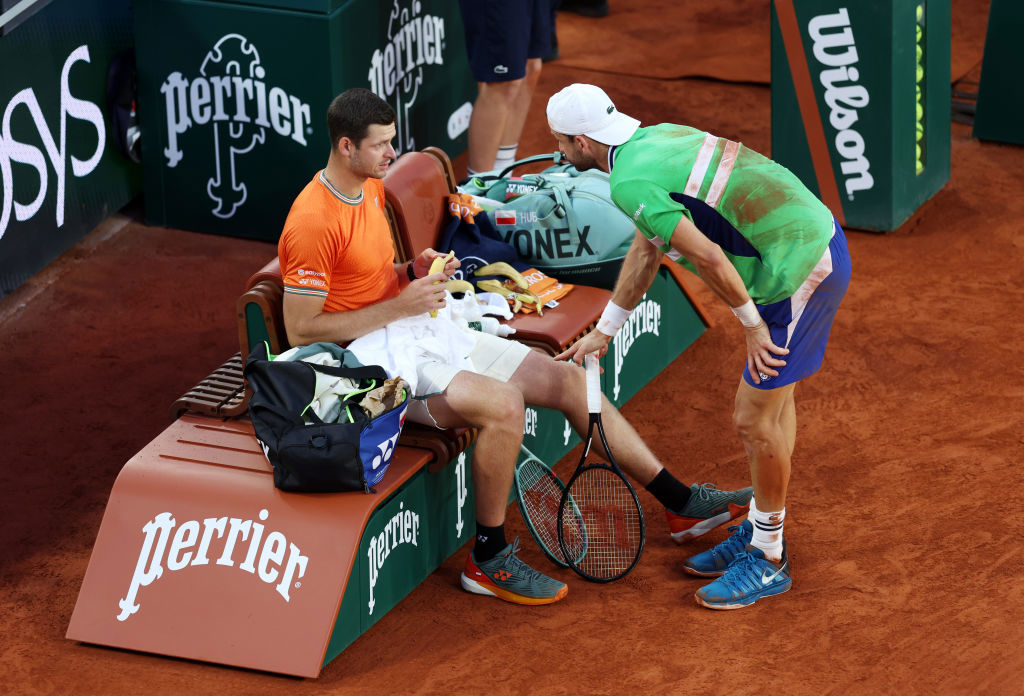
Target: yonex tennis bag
column 560, row 221
column 351, row 454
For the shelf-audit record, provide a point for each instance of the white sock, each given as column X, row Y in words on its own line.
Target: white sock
column 506, row 156
column 767, row 531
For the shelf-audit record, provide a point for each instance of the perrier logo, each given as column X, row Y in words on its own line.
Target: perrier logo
column 231, row 97
column 396, row 71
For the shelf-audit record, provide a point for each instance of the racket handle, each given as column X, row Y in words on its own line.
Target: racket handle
column 593, row 384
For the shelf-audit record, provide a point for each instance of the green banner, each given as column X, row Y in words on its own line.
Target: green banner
column 860, row 103
column 233, row 98
column 60, row 172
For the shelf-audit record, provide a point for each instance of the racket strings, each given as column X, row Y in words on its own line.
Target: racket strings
column 612, row 520
column 541, row 493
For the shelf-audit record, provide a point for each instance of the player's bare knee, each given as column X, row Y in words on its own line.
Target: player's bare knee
column 502, row 407
column 747, row 423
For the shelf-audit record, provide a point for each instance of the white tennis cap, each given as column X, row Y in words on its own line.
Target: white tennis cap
column 586, row 110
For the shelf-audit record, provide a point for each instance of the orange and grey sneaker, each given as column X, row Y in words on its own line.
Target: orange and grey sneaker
column 707, row 508
column 508, row 578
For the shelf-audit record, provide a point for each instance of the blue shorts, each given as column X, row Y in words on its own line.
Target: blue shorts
column 502, row 34
column 802, row 322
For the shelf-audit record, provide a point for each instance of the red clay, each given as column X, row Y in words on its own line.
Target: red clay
column 904, row 527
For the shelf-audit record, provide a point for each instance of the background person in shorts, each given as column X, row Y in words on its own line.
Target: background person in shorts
column 767, row 247
column 507, row 41
column 341, row 284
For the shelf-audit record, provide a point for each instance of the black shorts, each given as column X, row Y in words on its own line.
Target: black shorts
column 502, row 34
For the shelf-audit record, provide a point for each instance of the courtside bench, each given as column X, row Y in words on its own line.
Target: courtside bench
column 199, row 556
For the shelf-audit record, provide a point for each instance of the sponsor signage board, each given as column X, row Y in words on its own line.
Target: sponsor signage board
column 202, row 558
column 234, row 117
column 662, row 325
column 60, row 172
column 860, row 103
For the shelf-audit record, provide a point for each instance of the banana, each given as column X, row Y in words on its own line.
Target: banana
column 518, row 299
column 501, row 268
column 456, row 286
column 436, row 266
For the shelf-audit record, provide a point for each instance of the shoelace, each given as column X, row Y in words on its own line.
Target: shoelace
column 707, row 490
column 733, row 544
column 740, row 573
column 516, row 566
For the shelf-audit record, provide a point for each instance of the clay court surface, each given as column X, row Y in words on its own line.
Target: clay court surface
column 904, row 521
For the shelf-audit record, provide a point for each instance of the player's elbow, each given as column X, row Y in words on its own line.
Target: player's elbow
column 710, row 262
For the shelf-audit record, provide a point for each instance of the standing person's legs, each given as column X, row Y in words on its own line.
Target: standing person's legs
column 766, row 423
column 489, row 121
column 541, row 20
column 497, row 42
column 753, row 562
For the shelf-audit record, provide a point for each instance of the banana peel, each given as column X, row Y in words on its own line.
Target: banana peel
column 436, row 266
column 516, row 297
column 500, row 268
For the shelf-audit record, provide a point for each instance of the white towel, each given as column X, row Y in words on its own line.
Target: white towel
column 401, row 346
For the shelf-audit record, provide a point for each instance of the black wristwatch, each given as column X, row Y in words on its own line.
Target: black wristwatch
column 409, row 272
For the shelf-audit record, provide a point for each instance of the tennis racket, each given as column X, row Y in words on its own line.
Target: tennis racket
column 539, row 493
column 609, row 542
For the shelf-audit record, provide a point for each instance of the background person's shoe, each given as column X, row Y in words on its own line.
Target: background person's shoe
column 713, row 562
column 508, row 578
column 749, row 578
column 707, row 508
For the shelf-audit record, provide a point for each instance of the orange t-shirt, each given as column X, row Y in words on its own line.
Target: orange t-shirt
column 338, row 248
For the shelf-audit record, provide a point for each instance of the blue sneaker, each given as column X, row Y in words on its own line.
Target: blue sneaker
column 749, row 578
column 714, row 561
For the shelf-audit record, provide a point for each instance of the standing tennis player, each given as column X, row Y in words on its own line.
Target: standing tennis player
column 767, row 247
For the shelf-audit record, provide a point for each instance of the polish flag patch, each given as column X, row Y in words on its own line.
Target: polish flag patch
column 505, row 217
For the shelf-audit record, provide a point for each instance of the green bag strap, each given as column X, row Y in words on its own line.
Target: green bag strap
column 562, row 202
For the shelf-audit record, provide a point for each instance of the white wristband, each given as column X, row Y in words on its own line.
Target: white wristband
column 747, row 314
column 612, row 319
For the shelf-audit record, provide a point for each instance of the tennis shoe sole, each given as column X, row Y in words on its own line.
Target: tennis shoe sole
column 702, row 526
column 747, row 600
column 471, row 585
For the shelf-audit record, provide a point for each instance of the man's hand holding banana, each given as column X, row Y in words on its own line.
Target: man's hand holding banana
column 427, row 292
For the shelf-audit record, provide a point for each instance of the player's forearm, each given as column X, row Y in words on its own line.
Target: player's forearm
column 637, row 273
column 720, row 275
column 341, row 327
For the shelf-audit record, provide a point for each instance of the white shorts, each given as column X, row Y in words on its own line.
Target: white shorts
column 492, row 356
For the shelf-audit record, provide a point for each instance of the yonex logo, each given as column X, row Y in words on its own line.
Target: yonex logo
column 502, row 575
column 387, row 450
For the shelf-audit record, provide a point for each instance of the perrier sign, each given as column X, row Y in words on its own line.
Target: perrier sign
column 860, row 103
column 234, row 97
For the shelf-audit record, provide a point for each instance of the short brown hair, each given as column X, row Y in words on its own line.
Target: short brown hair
column 353, row 111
